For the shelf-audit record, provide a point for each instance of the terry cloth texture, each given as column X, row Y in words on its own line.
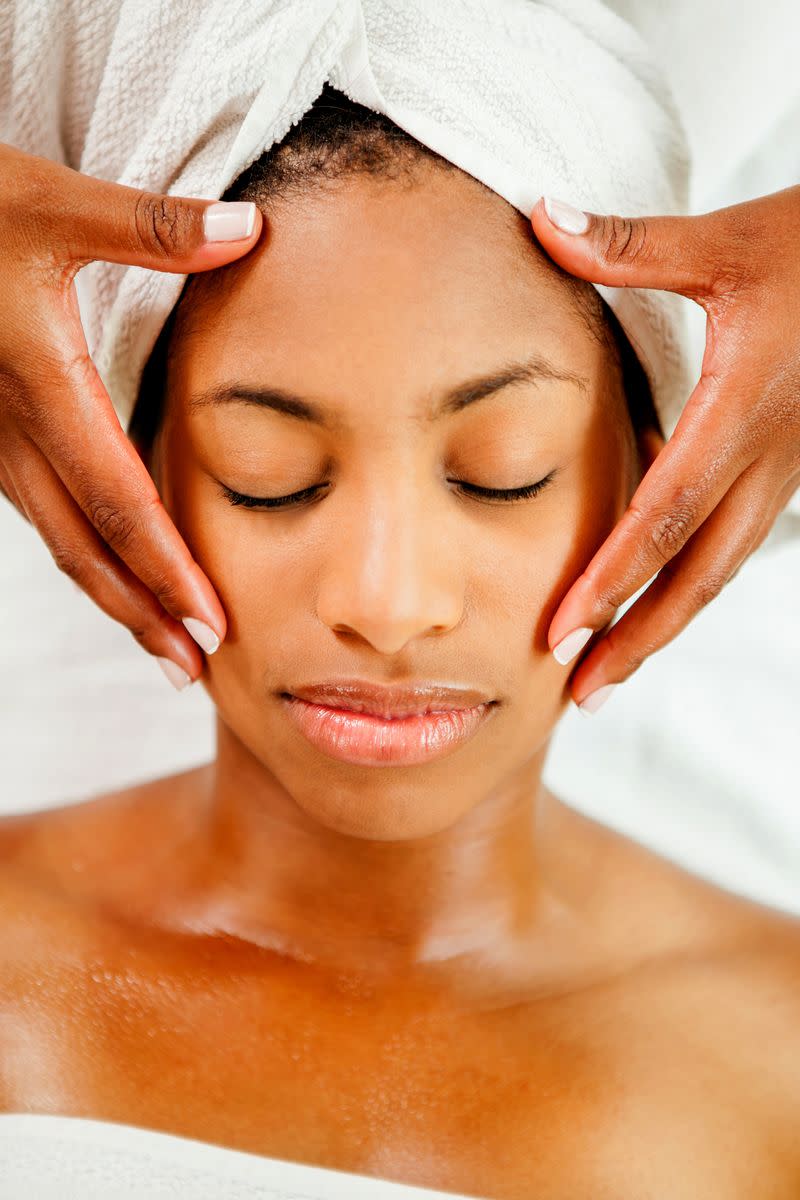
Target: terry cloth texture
column 557, row 98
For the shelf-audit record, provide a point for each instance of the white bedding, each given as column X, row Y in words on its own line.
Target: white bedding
column 73, row 1158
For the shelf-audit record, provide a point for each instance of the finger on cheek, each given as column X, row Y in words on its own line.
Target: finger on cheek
column 685, row 586
column 595, row 678
column 588, row 683
column 580, row 615
column 596, row 699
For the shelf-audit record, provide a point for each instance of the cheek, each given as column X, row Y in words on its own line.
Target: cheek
column 601, row 482
column 534, row 575
column 262, row 570
column 265, row 584
column 259, row 569
column 569, row 525
column 515, row 567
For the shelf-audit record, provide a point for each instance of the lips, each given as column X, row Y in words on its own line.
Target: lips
column 369, row 725
column 389, row 701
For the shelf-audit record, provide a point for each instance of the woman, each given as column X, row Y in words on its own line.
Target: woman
column 376, row 942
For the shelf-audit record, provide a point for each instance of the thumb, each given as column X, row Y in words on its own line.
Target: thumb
column 674, row 254
column 97, row 219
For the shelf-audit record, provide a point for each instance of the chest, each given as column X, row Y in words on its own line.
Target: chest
column 566, row 1100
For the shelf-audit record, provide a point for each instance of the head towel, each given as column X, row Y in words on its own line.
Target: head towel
column 557, row 97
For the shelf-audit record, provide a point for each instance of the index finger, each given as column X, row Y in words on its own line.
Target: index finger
column 102, row 470
column 672, row 500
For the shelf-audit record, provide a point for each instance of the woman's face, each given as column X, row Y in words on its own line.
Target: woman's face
column 374, row 301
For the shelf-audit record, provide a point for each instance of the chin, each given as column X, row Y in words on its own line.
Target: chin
column 381, row 818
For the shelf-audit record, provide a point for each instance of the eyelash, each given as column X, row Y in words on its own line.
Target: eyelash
column 504, row 495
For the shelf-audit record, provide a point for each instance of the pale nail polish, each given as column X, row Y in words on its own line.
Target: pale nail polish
column 571, row 645
column 229, row 221
column 596, row 698
column 203, row 634
column 567, row 218
column 175, row 674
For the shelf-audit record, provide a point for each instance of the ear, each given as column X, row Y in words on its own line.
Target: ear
column 650, row 442
column 147, row 454
column 143, row 451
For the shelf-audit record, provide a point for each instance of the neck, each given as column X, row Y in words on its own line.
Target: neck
column 479, row 893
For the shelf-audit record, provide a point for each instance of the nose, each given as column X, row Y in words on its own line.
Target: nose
column 391, row 573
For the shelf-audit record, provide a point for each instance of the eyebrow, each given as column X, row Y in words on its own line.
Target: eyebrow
column 532, row 370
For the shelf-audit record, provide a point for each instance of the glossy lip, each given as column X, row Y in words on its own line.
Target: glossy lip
column 368, row 725
column 390, row 701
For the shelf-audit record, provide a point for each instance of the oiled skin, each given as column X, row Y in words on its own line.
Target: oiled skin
column 665, row 1064
column 440, row 974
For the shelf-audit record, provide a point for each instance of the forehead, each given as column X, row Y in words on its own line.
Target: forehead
column 425, row 280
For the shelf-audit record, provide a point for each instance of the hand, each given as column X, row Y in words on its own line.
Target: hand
column 711, row 495
column 65, row 461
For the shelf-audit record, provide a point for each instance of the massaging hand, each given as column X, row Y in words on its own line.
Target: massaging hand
column 65, row 461
column 733, row 462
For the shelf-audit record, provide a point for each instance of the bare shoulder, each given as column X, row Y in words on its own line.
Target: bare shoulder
column 56, row 866
column 751, row 985
column 693, row 919
column 58, row 846
column 62, row 870
column 659, row 906
column 729, row 987
column 67, row 876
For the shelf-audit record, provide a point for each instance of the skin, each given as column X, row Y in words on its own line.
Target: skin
column 70, row 470
column 732, row 463
column 439, row 974
column 65, row 461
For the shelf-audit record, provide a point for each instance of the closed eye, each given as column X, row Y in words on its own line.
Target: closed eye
column 295, row 499
column 271, row 501
column 505, row 495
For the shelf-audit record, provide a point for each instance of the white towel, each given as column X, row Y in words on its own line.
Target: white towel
column 44, row 1157
column 558, row 97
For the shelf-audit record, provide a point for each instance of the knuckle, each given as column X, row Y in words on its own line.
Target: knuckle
column 141, row 634
column 151, row 630
column 169, row 595
column 611, row 594
column 67, row 560
column 35, row 188
column 669, row 529
column 708, row 588
column 743, row 234
column 115, row 527
column 607, row 595
column 626, row 658
column 147, row 627
column 634, row 660
column 162, row 224
column 670, row 533
column 40, row 182
column 624, row 239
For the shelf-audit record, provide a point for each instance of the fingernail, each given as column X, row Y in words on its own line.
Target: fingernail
column 229, row 221
column 595, row 699
column 565, row 217
column 571, row 645
column 175, row 674
column 203, row 634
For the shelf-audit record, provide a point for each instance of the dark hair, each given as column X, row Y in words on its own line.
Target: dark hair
column 335, row 139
